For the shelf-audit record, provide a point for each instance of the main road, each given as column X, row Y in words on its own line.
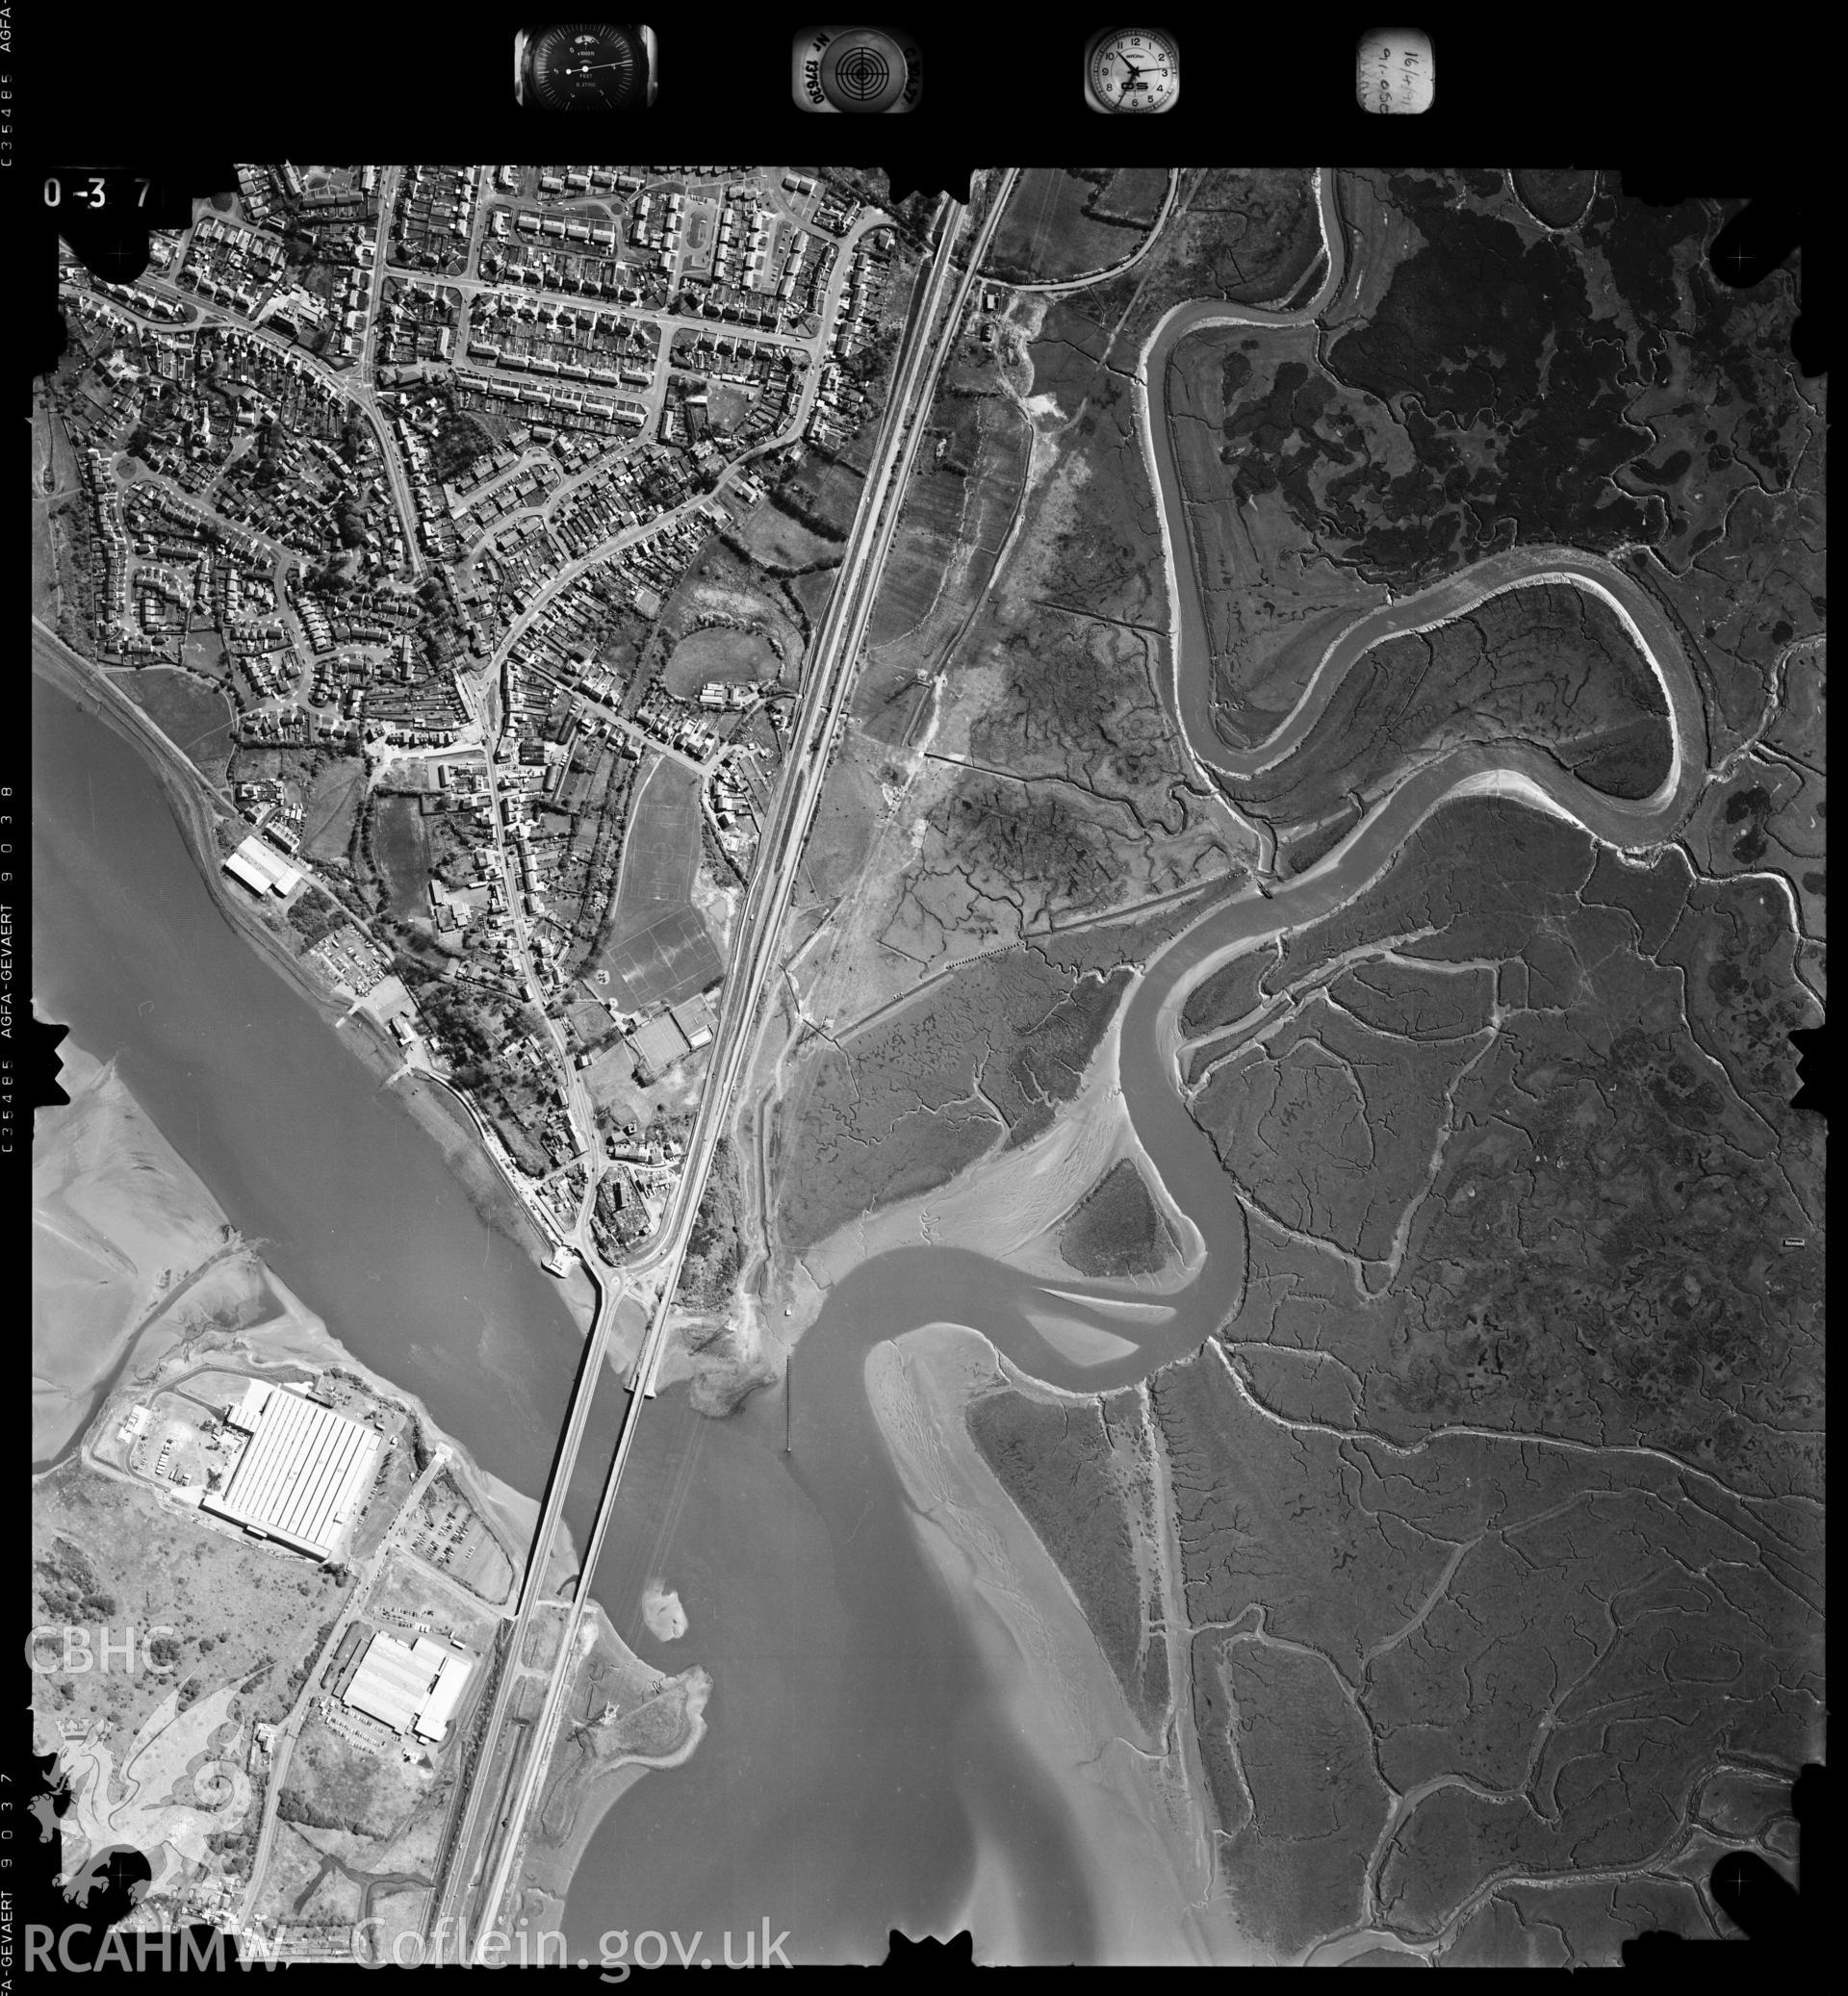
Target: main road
column 489, row 1849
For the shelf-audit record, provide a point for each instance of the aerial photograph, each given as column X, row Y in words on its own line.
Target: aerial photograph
column 932, row 1068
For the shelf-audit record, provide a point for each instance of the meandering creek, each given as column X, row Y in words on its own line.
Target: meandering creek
column 859, row 1755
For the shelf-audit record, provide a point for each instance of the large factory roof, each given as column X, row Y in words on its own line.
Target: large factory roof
column 261, row 870
column 403, row 1684
column 303, row 1475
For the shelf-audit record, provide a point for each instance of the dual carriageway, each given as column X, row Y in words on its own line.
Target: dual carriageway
column 514, row 1752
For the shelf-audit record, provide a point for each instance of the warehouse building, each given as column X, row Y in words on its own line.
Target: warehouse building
column 263, row 870
column 409, row 1686
column 305, row 1473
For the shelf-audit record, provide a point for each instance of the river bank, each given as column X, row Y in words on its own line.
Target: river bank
column 1138, row 1831
column 1009, row 1209
column 431, row 1104
column 630, row 1718
column 114, row 1209
column 124, row 1231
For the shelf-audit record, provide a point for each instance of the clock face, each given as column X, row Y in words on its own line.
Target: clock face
column 586, row 66
column 1133, row 69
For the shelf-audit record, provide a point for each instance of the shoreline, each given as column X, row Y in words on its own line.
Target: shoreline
column 545, row 1869
column 426, row 1100
column 1133, row 1816
column 255, row 1319
column 1009, row 1207
column 124, row 1233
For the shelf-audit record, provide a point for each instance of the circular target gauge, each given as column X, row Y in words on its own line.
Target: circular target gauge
column 584, row 65
column 858, row 70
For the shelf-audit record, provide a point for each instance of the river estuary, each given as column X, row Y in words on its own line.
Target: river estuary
column 859, row 1756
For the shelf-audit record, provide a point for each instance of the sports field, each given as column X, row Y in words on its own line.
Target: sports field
column 658, row 948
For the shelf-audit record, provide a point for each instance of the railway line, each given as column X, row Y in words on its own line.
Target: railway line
column 487, row 1844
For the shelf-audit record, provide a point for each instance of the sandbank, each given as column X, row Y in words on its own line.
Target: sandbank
column 1009, row 1207
column 662, row 1612
column 1078, row 1342
column 1141, row 1830
column 124, row 1229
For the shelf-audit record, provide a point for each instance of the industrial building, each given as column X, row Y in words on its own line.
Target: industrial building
column 409, row 1686
column 263, row 870
column 694, row 1017
column 305, row 1473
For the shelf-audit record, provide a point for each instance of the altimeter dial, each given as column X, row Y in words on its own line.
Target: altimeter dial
column 586, row 65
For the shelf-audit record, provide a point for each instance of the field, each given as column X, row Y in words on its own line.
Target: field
column 718, row 653
column 402, row 848
column 722, row 586
column 1066, row 221
column 194, row 718
column 821, row 495
column 927, row 538
column 203, row 652
column 782, row 541
column 727, row 406
column 331, row 808
column 1116, row 1229
column 105, row 1551
column 956, row 516
column 334, row 1784
column 811, row 593
column 668, row 958
column 658, row 947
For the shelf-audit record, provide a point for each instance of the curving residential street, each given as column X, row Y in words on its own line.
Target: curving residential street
column 485, row 1854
